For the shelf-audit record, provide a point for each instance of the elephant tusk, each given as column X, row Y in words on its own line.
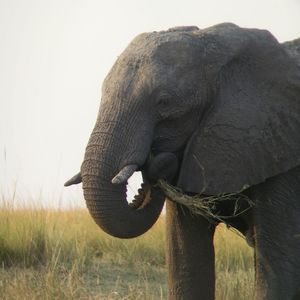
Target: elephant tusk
column 124, row 174
column 74, row 180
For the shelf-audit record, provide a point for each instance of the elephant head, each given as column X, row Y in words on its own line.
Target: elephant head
column 224, row 101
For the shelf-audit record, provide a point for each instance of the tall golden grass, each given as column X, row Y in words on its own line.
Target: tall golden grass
column 62, row 254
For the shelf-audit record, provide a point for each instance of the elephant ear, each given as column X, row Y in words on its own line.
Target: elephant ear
column 251, row 131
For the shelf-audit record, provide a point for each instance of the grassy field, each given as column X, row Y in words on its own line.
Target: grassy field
column 53, row 254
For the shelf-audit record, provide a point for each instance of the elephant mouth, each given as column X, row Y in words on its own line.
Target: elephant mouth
column 143, row 194
column 164, row 165
column 157, row 166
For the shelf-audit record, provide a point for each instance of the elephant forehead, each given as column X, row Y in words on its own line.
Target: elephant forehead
column 152, row 40
column 161, row 46
column 180, row 52
column 180, row 45
column 146, row 55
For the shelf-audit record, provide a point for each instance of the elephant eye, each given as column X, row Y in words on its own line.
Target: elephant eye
column 166, row 107
column 163, row 106
column 164, row 100
column 169, row 105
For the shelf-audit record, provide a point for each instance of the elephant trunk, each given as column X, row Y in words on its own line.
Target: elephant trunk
column 106, row 201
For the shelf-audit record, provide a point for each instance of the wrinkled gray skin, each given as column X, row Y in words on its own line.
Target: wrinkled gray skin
column 212, row 111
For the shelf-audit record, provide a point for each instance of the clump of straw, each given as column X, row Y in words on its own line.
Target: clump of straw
column 206, row 206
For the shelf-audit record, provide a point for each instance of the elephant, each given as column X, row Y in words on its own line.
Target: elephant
column 211, row 111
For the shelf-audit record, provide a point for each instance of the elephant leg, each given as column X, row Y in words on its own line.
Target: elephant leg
column 277, row 237
column 190, row 255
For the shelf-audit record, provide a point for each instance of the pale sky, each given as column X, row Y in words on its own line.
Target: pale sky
column 54, row 56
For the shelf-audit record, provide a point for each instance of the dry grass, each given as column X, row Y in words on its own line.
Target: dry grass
column 206, row 206
column 52, row 254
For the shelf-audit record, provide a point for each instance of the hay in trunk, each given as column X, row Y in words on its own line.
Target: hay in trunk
column 207, row 206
